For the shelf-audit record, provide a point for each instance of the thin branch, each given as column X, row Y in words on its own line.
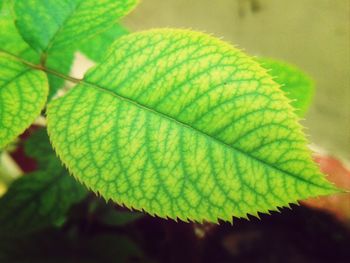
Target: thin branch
column 57, row 74
column 42, row 68
column 43, row 58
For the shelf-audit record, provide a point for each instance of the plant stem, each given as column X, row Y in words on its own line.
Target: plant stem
column 43, row 58
column 42, row 68
column 60, row 75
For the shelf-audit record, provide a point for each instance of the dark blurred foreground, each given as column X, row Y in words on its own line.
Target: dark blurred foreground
column 298, row 235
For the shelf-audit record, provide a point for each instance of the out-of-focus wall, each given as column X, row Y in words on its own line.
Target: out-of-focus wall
column 313, row 34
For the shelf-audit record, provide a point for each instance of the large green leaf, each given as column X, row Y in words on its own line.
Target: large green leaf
column 183, row 125
column 49, row 25
column 41, row 198
column 23, row 93
column 298, row 86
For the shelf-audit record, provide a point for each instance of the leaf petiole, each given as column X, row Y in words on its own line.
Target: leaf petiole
column 42, row 68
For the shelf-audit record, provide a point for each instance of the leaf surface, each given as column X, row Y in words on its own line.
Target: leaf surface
column 66, row 21
column 296, row 84
column 38, row 199
column 23, row 93
column 11, row 41
column 183, row 125
column 97, row 46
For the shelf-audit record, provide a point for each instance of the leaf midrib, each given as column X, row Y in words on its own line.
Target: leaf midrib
column 163, row 115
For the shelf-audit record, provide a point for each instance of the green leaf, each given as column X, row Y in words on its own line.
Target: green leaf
column 39, row 199
column 10, row 40
column 182, row 125
column 23, row 93
column 96, row 47
column 66, row 21
column 296, row 84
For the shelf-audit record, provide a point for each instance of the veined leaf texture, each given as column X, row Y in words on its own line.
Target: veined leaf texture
column 183, row 125
column 23, row 93
column 66, row 21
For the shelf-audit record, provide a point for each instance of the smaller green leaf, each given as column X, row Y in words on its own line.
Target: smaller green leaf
column 23, row 93
column 39, row 199
column 11, row 41
column 296, row 84
column 49, row 25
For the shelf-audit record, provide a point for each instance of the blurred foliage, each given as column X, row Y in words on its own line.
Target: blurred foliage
column 96, row 47
column 296, row 84
column 39, row 199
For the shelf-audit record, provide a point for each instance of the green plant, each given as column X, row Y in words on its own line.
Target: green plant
column 173, row 122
